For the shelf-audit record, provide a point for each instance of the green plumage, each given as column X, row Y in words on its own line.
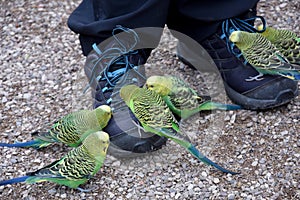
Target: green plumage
column 155, row 116
column 263, row 55
column 71, row 129
column 181, row 98
column 286, row 41
column 76, row 167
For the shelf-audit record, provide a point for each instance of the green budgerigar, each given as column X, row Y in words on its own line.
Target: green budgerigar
column 70, row 129
column 181, row 98
column 155, row 116
column 75, row 168
column 263, row 55
column 286, row 41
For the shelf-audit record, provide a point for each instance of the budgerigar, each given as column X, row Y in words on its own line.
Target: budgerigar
column 181, row 98
column 286, row 41
column 263, row 55
column 155, row 116
column 76, row 167
column 71, row 129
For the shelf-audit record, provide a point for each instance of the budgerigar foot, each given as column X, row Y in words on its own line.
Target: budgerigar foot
column 139, row 128
column 255, row 78
column 86, row 190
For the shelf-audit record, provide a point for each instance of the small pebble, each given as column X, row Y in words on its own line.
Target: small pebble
column 231, row 197
column 216, row 180
column 254, row 163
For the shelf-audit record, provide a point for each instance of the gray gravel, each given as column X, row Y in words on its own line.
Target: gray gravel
column 41, row 79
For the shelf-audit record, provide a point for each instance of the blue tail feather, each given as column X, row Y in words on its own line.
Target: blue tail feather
column 297, row 77
column 32, row 143
column 293, row 74
column 233, row 107
column 204, row 159
column 14, row 180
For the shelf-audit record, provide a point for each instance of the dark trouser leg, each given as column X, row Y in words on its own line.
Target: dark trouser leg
column 94, row 20
column 200, row 19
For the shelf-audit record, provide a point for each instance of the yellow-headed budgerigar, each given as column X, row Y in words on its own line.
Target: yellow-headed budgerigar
column 155, row 116
column 181, row 98
column 75, row 168
column 70, row 129
column 286, row 41
column 263, row 55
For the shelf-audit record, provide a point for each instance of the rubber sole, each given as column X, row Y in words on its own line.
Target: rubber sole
column 283, row 97
column 125, row 145
column 117, row 152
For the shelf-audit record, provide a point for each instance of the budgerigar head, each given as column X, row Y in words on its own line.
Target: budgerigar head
column 127, row 91
column 261, row 27
column 103, row 114
column 269, row 33
column 160, row 84
column 97, row 143
column 241, row 39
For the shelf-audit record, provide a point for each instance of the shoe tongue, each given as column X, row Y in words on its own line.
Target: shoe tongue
column 116, row 69
column 117, row 64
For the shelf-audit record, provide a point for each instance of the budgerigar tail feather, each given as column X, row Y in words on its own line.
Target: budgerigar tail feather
column 33, row 143
column 14, row 180
column 233, row 107
column 45, row 137
column 292, row 74
column 297, row 77
column 204, row 159
column 209, row 105
column 175, row 135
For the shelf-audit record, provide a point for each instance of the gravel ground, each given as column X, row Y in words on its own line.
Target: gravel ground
column 42, row 78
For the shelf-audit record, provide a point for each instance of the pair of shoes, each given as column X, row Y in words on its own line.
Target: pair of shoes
column 269, row 92
column 107, row 72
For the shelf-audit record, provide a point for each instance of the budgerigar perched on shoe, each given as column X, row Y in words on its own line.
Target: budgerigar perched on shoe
column 181, row 98
column 263, row 55
column 70, row 129
column 155, row 116
column 75, row 168
column 286, row 41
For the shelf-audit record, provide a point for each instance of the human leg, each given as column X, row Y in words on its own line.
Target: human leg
column 115, row 61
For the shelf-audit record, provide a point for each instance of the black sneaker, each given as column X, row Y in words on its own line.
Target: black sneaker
column 107, row 73
column 268, row 92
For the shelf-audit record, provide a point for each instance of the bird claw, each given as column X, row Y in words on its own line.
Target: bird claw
column 139, row 127
column 86, row 190
column 258, row 77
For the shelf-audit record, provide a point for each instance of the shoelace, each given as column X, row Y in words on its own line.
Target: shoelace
column 115, row 56
column 235, row 24
column 119, row 76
